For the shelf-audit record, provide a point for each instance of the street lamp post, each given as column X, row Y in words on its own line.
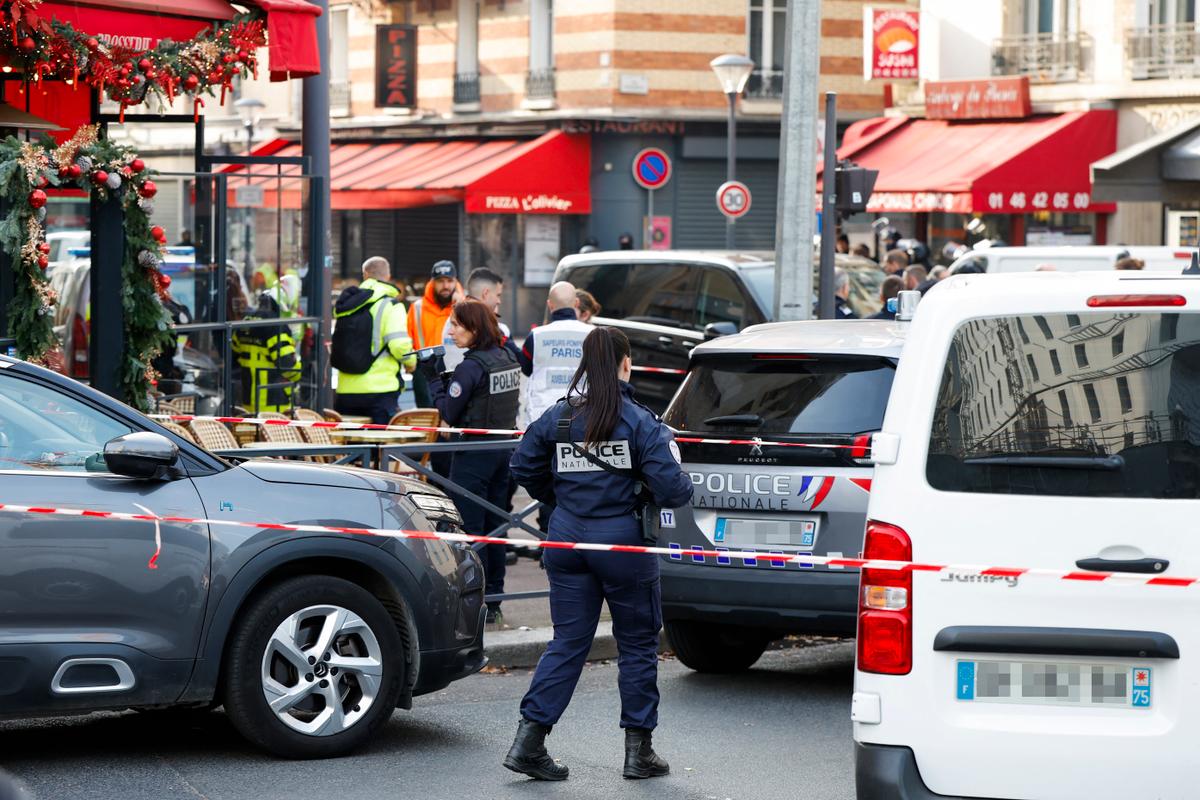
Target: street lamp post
column 732, row 71
column 249, row 110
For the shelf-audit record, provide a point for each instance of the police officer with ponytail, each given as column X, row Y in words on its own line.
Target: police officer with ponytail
column 482, row 392
column 600, row 457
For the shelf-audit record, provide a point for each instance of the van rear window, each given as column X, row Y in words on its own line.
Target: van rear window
column 745, row 396
column 1082, row 405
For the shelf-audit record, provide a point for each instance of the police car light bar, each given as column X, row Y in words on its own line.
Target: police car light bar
column 1135, row 300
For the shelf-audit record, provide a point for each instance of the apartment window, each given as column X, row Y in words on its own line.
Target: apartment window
column 1050, row 16
column 539, row 82
column 1162, row 43
column 1124, row 395
column 1044, row 327
column 1093, row 402
column 767, row 27
column 1033, row 373
column 1118, row 343
column 1054, row 363
column 1171, row 12
column 1073, row 320
column 1081, row 355
column 339, row 61
column 1065, row 407
column 466, row 55
column 1170, row 327
column 1021, row 331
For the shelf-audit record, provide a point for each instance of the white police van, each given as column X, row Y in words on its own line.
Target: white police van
column 1046, row 421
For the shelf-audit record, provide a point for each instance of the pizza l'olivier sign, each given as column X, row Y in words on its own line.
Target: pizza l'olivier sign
column 891, row 43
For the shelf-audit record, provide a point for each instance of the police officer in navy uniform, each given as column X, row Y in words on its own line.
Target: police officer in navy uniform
column 482, row 392
column 600, row 456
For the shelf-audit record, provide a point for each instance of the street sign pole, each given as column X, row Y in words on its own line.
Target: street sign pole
column 649, row 219
column 828, row 206
column 796, row 215
column 651, row 171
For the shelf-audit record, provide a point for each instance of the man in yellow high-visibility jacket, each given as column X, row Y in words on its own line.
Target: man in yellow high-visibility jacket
column 374, row 392
column 268, row 361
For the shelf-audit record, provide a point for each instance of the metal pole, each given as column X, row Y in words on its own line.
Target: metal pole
column 796, row 215
column 731, row 167
column 649, row 226
column 828, row 201
column 316, row 145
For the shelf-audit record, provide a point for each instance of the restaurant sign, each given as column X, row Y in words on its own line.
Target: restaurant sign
column 891, row 43
column 520, row 204
column 396, row 66
column 989, row 201
column 983, row 98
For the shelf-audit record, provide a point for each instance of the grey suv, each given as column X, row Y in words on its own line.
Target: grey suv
column 309, row 640
column 808, row 383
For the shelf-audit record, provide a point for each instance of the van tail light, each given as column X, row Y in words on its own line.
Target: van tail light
column 1135, row 300
column 860, row 448
column 885, row 604
column 79, row 345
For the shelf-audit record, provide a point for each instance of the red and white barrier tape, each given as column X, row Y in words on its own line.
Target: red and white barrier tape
column 661, row 370
column 776, row 558
column 863, row 449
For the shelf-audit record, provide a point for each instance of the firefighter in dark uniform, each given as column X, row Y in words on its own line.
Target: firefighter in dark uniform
column 482, row 392
column 600, row 457
column 267, row 360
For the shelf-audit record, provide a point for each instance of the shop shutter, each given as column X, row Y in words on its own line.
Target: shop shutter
column 377, row 234
column 423, row 236
column 698, row 223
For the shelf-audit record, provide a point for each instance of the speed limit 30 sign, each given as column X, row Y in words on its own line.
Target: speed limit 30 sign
column 733, row 199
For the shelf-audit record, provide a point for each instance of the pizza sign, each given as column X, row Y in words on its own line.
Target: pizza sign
column 891, row 43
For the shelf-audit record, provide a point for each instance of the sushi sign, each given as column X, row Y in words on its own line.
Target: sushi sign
column 891, row 43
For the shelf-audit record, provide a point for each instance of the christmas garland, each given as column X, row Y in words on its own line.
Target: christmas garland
column 111, row 172
column 50, row 49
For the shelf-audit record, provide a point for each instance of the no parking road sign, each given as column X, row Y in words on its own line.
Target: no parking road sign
column 733, row 198
column 651, row 168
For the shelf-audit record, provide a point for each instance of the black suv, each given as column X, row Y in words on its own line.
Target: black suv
column 668, row 301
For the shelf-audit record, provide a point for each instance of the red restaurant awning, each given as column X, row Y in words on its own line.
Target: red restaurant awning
column 997, row 166
column 548, row 175
column 291, row 38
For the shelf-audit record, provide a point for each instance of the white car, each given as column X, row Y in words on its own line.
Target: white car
column 1036, row 421
column 1070, row 258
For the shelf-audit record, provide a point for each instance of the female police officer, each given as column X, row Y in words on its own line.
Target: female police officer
column 483, row 392
column 599, row 455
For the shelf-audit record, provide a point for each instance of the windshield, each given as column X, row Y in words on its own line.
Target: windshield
column 743, row 396
column 1090, row 404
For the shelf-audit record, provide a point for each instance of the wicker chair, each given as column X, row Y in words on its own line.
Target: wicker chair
column 169, row 407
column 419, row 417
column 331, row 415
column 313, row 435
column 279, row 434
column 178, row 430
column 213, row 435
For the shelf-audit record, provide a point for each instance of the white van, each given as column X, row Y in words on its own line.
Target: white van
column 1052, row 421
column 1068, row 258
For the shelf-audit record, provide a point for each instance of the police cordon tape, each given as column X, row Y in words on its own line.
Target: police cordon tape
column 862, row 449
column 781, row 559
column 662, row 370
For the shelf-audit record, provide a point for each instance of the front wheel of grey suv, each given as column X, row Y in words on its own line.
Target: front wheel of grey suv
column 313, row 669
column 716, row 648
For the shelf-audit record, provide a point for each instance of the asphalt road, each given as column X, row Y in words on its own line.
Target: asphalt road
column 779, row 731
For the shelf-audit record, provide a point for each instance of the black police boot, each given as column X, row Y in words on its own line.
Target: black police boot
column 528, row 754
column 640, row 759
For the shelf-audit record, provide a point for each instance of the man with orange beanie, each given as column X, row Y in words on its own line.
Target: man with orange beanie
column 427, row 319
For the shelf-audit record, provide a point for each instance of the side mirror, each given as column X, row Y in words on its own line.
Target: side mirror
column 714, row 329
column 145, row 455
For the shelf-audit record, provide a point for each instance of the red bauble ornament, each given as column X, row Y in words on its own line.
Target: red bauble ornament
column 123, row 83
column 44, row 247
column 43, row 262
column 228, row 58
column 158, row 233
column 64, row 172
column 73, row 172
column 164, row 280
column 137, row 165
column 37, row 198
column 92, row 43
column 28, row 45
column 191, row 82
column 151, row 74
column 124, row 72
column 145, row 65
column 148, row 189
column 43, row 182
column 235, row 71
column 243, row 56
column 214, row 77
column 99, row 176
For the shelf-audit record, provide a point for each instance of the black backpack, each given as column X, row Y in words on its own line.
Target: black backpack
column 352, row 349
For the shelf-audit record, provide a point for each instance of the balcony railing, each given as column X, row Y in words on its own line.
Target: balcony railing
column 539, row 84
column 339, row 98
column 1044, row 57
column 764, row 85
column 1163, row 51
column 466, row 88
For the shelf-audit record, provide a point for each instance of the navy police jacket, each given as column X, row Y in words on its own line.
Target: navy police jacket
column 553, row 473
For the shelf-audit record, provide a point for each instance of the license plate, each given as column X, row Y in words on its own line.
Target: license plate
column 1059, row 684
column 753, row 534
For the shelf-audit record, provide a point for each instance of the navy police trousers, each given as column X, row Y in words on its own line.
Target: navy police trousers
column 579, row 582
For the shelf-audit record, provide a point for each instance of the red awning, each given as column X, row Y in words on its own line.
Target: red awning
column 138, row 24
column 291, row 38
column 1000, row 167
column 549, row 175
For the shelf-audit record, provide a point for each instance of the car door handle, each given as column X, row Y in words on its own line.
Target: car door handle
column 666, row 339
column 1143, row 565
